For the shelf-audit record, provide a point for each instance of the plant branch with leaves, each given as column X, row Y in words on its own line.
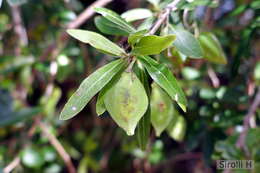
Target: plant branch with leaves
column 123, row 85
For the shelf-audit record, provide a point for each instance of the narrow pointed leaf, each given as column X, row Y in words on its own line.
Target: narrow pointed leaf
column 144, row 125
column 186, row 43
column 165, row 79
column 90, row 87
column 161, row 109
column 97, row 41
column 213, row 51
column 127, row 102
column 136, row 14
column 108, row 27
column 153, row 44
column 116, row 19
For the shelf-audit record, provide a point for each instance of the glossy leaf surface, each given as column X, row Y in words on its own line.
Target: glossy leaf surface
column 165, row 79
column 186, row 43
column 97, row 41
column 116, row 19
column 90, row 87
column 153, row 44
column 108, row 27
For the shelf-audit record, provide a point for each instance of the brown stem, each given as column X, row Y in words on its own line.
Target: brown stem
column 12, row 165
column 19, row 29
column 57, row 145
column 163, row 16
column 246, row 124
column 213, row 77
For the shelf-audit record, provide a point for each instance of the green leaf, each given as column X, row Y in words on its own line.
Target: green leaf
column 136, row 14
column 134, row 38
column 212, row 49
column 165, row 79
column 108, row 27
column 97, row 41
column 100, row 105
column 127, row 102
column 90, row 87
column 177, row 127
column 116, row 19
column 143, row 127
column 161, row 109
column 152, row 44
column 186, row 43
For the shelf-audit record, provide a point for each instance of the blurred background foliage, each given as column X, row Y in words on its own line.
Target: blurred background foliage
column 40, row 68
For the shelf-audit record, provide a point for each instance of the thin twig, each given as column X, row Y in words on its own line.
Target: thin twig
column 57, row 145
column 163, row 16
column 246, row 124
column 85, row 15
column 18, row 25
column 54, row 49
column 213, row 77
column 12, row 165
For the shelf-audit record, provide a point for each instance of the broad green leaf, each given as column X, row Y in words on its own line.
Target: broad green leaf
column 136, row 14
column 97, row 41
column 134, row 38
column 100, row 105
column 116, row 19
column 143, row 127
column 22, row 115
column 108, row 27
column 90, row 87
column 127, row 102
column 212, row 49
column 152, row 44
column 186, row 43
column 161, row 109
column 165, row 79
column 177, row 127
